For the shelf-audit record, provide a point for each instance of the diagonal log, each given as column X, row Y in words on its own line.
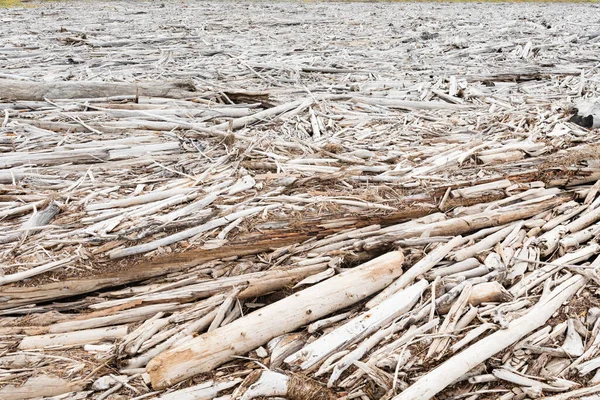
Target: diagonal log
column 441, row 377
column 214, row 348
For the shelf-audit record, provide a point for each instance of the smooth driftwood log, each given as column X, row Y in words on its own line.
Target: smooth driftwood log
column 75, row 338
column 24, row 90
column 439, row 378
column 40, row 386
column 217, row 347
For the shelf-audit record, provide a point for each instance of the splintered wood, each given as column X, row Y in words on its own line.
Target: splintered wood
column 303, row 200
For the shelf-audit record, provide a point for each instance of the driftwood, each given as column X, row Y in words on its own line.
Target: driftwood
column 210, row 350
column 166, row 187
column 40, row 386
column 435, row 381
column 23, row 90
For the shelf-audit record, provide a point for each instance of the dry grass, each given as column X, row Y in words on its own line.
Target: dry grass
column 10, row 3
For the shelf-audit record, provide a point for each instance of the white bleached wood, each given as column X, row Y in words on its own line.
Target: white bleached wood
column 186, row 234
column 367, row 322
column 75, row 338
column 436, row 380
column 420, row 268
column 484, row 244
column 247, row 333
column 19, row 276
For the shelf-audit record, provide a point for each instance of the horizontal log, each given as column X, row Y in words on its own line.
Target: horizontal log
column 25, row 90
column 75, row 338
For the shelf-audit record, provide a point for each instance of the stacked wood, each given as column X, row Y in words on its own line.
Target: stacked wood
column 377, row 205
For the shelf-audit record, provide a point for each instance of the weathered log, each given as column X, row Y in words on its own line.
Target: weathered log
column 40, row 386
column 74, row 338
column 217, row 347
column 25, row 90
column 292, row 387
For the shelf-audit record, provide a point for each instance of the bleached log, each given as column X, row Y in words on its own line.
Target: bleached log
column 241, row 122
column 75, row 338
column 410, row 105
column 571, row 210
column 146, row 198
column 501, row 158
column 461, row 225
column 505, row 374
column 134, row 314
column 367, row 322
column 247, row 333
column 456, row 268
column 585, row 220
column 474, row 191
column 186, row 234
column 21, row 209
column 255, row 284
column 588, row 366
column 467, row 317
column 40, row 386
column 55, row 157
column 482, row 270
column 484, row 244
column 19, row 276
column 37, row 220
column 439, row 378
column 24, row 90
column 577, row 238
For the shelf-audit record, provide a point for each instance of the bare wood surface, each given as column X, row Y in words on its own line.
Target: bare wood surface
column 169, row 169
column 214, row 348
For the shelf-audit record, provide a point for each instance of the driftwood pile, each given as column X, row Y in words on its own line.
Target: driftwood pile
column 299, row 200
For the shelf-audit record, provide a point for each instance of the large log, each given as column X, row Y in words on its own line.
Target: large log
column 214, row 348
column 26, row 90
column 293, row 232
column 21, row 296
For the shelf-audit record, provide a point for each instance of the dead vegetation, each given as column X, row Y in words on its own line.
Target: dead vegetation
column 310, row 201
